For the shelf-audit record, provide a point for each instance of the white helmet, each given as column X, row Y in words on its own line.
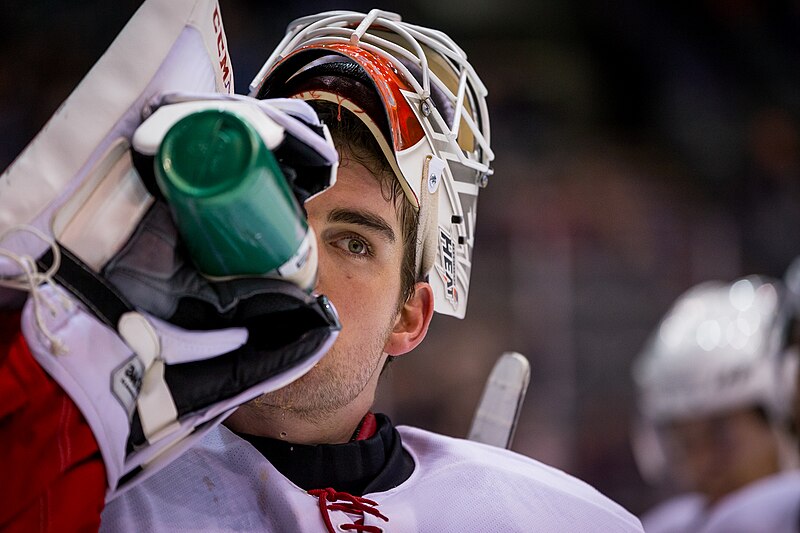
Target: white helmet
column 415, row 91
column 715, row 350
column 719, row 348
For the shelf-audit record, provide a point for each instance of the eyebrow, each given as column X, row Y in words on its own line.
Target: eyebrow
column 363, row 218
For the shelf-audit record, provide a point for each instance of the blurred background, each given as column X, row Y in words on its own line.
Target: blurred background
column 641, row 148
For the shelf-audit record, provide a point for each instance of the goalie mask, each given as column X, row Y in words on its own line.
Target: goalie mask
column 426, row 107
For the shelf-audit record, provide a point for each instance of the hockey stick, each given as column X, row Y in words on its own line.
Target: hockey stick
column 497, row 415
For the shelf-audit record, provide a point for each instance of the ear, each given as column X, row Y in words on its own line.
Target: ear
column 412, row 321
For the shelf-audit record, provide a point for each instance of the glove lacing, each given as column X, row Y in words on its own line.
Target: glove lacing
column 342, row 501
column 31, row 280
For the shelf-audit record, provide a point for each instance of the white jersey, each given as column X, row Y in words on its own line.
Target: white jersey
column 675, row 515
column 771, row 504
column 225, row 484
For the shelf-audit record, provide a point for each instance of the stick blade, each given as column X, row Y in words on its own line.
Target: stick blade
column 497, row 415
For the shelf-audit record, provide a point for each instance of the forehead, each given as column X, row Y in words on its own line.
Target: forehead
column 357, row 187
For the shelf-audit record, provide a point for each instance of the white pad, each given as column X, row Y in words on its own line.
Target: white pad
column 149, row 135
column 168, row 45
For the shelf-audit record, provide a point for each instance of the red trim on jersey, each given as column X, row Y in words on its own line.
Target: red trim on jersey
column 53, row 475
column 367, row 427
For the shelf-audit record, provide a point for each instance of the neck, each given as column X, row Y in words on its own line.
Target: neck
column 297, row 427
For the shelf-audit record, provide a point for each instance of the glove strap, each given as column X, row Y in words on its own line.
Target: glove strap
column 105, row 303
column 155, row 404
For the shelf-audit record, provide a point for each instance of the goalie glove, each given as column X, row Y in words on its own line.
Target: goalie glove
column 153, row 352
column 149, row 389
column 155, row 270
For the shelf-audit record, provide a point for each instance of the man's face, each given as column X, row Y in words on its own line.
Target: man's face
column 720, row 454
column 360, row 255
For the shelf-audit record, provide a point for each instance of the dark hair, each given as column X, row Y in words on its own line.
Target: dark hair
column 354, row 140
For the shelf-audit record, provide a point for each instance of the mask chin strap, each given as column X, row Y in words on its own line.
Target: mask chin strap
column 428, row 224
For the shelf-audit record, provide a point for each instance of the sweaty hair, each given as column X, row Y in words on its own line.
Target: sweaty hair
column 354, row 140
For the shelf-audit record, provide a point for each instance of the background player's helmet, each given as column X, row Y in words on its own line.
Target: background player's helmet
column 426, row 107
column 715, row 350
column 719, row 348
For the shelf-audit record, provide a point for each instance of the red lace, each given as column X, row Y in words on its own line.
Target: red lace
column 342, row 501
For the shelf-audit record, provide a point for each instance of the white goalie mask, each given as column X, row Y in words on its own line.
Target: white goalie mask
column 426, row 107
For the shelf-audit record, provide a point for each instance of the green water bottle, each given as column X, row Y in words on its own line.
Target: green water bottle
column 230, row 201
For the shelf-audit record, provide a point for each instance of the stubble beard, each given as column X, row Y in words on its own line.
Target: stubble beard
column 337, row 380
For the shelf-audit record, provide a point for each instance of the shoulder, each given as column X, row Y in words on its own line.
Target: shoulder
column 675, row 514
column 781, row 487
column 492, row 472
column 220, row 471
column 769, row 504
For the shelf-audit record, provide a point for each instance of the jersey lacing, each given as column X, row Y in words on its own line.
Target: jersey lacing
column 348, row 503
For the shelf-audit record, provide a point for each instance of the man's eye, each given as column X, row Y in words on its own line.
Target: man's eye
column 353, row 245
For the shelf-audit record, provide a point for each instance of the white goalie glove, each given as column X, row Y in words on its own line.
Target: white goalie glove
column 153, row 353
column 174, row 383
column 151, row 350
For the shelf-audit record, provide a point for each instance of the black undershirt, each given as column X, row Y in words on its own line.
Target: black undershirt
column 375, row 464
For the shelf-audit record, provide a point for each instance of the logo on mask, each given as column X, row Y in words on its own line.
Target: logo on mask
column 448, row 267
